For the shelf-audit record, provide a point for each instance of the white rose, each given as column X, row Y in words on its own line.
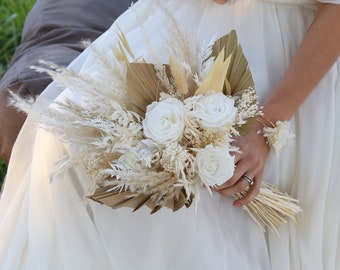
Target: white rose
column 164, row 120
column 215, row 110
column 214, row 164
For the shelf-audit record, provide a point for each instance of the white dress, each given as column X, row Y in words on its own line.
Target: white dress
column 47, row 225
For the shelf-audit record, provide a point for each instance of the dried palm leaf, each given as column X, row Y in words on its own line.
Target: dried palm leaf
column 217, row 74
column 239, row 75
column 116, row 198
column 143, row 85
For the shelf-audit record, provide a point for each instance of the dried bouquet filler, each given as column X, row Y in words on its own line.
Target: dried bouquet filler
column 158, row 134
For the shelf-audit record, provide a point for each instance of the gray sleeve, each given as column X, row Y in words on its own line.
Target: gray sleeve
column 52, row 31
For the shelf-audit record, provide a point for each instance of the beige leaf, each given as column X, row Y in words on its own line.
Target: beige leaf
column 216, row 77
column 143, row 86
column 116, row 198
column 239, row 75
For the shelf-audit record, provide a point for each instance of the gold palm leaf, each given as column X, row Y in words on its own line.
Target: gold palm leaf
column 143, row 86
column 238, row 76
column 115, row 198
column 216, row 76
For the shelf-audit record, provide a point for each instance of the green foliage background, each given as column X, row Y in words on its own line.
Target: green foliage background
column 12, row 18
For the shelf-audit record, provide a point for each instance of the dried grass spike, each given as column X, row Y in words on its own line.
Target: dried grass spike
column 179, row 76
column 123, row 48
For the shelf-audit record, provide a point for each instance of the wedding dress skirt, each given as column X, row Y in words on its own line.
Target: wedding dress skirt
column 49, row 225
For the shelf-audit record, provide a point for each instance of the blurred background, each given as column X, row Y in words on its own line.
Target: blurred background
column 12, row 18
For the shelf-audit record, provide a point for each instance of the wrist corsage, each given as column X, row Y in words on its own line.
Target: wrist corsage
column 277, row 134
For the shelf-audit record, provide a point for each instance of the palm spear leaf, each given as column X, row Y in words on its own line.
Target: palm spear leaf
column 143, row 86
column 216, row 76
column 238, row 75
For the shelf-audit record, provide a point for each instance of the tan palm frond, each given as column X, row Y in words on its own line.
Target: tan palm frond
column 239, row 75
column 217, row 74
column 115, row 198
column 143, row 86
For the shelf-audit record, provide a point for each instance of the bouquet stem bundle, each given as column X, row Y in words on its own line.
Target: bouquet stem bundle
column 271, row 207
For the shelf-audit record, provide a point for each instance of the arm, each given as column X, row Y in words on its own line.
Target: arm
column 318, row 51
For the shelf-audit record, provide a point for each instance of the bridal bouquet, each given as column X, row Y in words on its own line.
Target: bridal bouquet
column 155, row 134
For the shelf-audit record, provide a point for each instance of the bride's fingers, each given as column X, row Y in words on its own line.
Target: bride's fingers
column 252, row 193
column 241, row 168
column 240, row 185
column 237, row 156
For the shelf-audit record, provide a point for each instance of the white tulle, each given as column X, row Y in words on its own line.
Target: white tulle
column 49, row 225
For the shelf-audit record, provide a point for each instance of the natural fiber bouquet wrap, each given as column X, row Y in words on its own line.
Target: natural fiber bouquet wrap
column 158, row 134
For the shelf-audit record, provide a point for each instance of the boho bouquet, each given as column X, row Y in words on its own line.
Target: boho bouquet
column 155, row 134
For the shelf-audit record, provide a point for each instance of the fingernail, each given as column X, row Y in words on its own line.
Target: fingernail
column 236, row 205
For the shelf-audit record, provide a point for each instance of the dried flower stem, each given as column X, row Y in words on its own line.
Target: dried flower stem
column 271, row 207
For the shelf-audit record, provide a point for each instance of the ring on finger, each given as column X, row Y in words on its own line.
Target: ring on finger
column 248, row 179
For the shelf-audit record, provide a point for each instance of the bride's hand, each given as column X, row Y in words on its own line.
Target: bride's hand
column 250, row 162
column 221, row 1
